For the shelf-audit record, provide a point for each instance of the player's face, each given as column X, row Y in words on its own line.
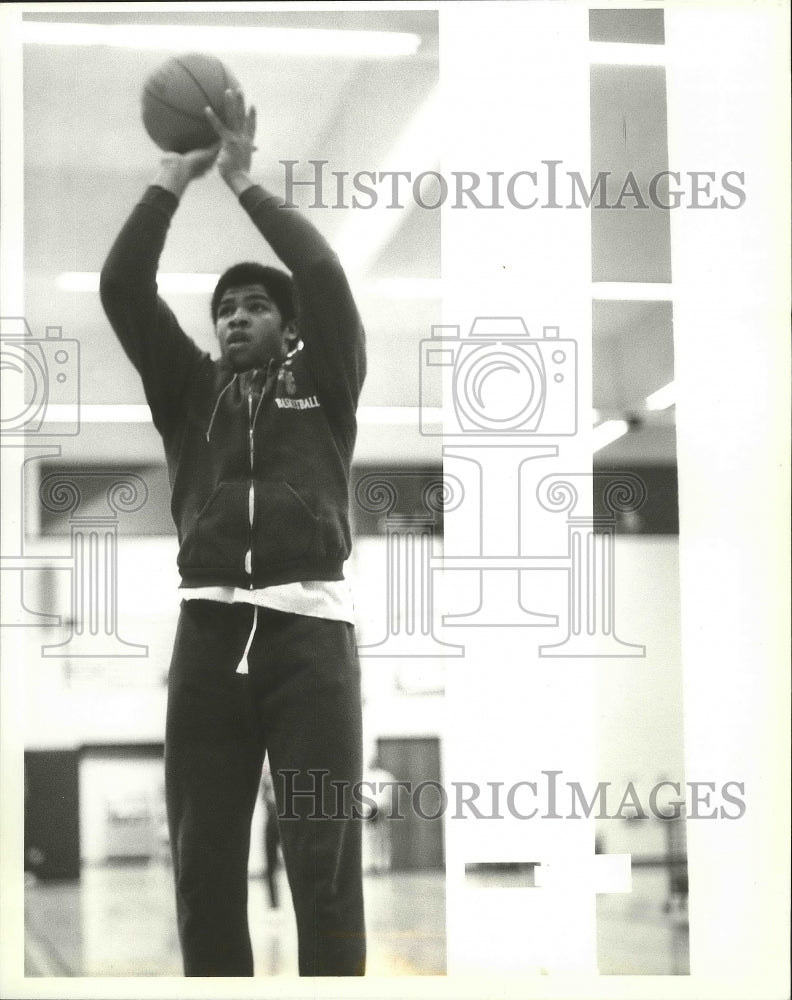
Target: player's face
column 250, row 328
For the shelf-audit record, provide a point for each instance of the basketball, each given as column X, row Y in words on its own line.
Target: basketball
column 175, row 95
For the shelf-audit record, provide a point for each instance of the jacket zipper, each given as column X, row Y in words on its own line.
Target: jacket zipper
column 251, row 492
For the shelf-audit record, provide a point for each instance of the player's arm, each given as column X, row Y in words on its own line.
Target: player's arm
column 147, row 329
column 329, row 320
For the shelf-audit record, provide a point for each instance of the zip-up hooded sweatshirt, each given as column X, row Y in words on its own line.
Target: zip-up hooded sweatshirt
column 258, row 466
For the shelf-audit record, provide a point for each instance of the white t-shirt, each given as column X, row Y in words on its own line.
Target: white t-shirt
column 315, row 598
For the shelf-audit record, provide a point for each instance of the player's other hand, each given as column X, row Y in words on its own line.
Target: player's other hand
column 236, row 136
column 178, row 169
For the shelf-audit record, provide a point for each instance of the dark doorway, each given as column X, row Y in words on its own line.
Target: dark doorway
column 52, row 826
column 417, row 843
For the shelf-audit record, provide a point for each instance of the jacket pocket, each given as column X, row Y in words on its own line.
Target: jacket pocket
column 285, row 526
column 220, row 535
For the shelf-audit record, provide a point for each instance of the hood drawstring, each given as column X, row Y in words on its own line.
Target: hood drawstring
column 272, row 368
column 217, row 404
column 269, row 375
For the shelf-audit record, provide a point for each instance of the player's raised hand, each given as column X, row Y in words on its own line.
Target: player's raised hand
column 178, row 169
column 236, row 136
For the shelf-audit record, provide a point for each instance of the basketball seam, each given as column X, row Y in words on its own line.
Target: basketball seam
column 198, row 84
column 174, row 108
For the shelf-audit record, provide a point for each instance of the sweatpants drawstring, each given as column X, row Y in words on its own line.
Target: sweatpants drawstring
column 243, row 665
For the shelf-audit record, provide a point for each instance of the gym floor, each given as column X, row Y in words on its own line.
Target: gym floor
column 118, row 920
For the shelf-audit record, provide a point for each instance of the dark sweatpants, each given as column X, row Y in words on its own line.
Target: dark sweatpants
column 301, row 703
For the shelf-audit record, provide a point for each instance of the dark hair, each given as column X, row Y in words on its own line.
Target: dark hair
column 278, row 284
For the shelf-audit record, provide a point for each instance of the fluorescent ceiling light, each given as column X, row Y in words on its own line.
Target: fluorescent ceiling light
column 608, row 432
column 219, row 38
column 627, row 54
column 78, row 281
column 662, row 399
column 404, row 288
column 132, row 413
column 632, row 291
column 175, row 282
column 167, row 281
column 101, row 413
column 403, row 415
column 186, row 283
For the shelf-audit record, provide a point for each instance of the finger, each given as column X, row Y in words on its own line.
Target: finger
column 251, row 123
column 211, row 156
column 215, row 122
column 230, row 110
column 202, row 159
column 237, row 110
